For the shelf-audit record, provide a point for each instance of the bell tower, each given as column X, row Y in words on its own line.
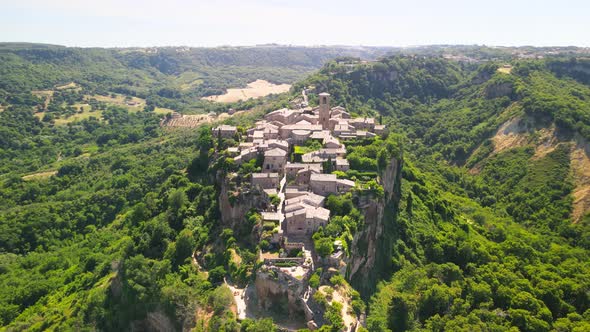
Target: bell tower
column 324, row 110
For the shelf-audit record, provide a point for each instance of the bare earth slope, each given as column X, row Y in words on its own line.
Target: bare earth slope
column 514, row 133
column 256, row 89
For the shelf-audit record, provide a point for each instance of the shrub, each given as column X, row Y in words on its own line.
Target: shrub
column 216, row 275
column 314, row 281
column 337, row 280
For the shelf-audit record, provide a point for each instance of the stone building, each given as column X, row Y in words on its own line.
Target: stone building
column 274, row 161
column 301, row 173
column 224, row 131
column 266, row 180
column 324, row 111
column 305, row 219
column 324, row 184
column 342, row 165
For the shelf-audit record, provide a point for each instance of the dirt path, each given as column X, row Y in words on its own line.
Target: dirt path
column 349, row 320
column 239, row 299
column 40, row 175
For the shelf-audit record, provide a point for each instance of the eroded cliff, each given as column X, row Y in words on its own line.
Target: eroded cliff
column 370, row 253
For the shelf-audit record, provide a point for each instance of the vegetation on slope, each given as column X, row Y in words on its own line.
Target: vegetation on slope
column 108, row 240
column 494, row 250
column 170, row 77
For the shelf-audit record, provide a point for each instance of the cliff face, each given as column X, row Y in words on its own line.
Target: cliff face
column 276, row 291
column 236, row 199
column 156, row 321
column 371, row 248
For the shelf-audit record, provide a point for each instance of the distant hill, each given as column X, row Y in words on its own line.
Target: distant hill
column 174, row 77
column 177, row 77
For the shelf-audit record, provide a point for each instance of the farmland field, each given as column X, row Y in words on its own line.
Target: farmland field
column 256, row 89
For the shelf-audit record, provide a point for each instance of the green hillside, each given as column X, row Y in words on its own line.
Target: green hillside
column 172, row 77
column 99, row 217
column 491, row 247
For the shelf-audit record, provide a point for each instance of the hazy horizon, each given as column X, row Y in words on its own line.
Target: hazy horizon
column 379, row 23
column 294, row 45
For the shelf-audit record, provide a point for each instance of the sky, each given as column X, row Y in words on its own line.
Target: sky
column 145, row 23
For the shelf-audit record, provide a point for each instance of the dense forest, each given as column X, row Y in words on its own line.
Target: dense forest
column 99, row 218
column 484, row 239
column 171, row 77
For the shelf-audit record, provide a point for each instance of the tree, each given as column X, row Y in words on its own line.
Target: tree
column 217, row 274
column 314, row 281
column 259, row 325
column 328, row 166
column 401, row 313
column 274, row 199
column 177, row 200
column 142, row 275
column 334, row 316
column 185, row 245
column 436, row 300
column 221, row 299
column 324, row 246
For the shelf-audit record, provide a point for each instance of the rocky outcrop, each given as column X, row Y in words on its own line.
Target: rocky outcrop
column 496, row 90
column 236, row 200
column 371, row 247
column 278, row 291
column 155, row 321
column 580, row 168
column 544, row 137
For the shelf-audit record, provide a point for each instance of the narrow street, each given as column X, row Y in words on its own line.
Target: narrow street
column 280, row 208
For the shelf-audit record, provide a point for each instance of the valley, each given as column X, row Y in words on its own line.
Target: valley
column 436, row 188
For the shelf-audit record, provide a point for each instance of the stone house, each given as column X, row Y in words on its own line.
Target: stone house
column 324, row 184
column 286, row 130
column 274, row 160
column 246, row 155
column 303, row 219
column 379, row 129
column 323, row 155
column 339, row 112
column 331, row 142
column 284, row 116
column 309, row 199
column 301, row 173
column 367, row 124
column 341, row 165
column 299, row 136
column 225, row 131
column 266, row 180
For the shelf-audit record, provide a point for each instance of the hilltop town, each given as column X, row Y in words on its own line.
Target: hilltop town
column 301, row 153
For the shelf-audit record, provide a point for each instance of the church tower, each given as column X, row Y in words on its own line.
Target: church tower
column 325, row 110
